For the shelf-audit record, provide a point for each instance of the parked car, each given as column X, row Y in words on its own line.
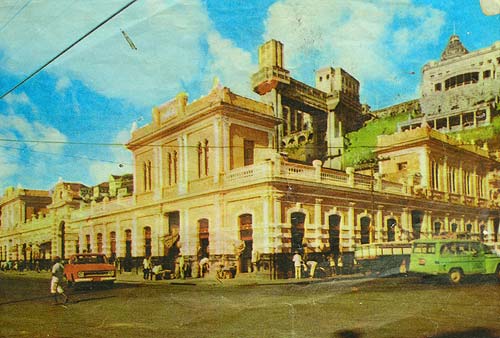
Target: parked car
column 89, row 267
column 453, row 257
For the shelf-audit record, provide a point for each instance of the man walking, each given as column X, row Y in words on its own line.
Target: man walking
column 56, row 287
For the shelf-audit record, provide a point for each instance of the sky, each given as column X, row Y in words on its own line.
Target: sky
column 71, row 120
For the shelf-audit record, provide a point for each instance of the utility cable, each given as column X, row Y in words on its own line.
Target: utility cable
column 67, row 48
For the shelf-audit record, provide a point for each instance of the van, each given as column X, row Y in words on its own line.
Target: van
column 452, row 257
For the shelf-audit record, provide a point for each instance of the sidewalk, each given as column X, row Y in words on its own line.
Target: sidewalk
column 242, row 279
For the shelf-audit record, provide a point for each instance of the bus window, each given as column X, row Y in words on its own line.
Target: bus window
column 425, row 248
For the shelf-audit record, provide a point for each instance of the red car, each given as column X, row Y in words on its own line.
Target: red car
column 89, row 267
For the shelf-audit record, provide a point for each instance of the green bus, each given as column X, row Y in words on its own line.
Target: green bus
column 453, row 257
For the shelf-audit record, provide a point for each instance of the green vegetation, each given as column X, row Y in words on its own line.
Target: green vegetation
column 490, row 134
column 364, row 141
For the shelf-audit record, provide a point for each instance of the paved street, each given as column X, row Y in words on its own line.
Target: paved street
column 353, row 307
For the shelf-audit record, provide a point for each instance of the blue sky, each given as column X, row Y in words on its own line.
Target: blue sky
column 71, row 120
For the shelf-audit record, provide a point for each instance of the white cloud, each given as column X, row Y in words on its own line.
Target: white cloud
column 230, row 64
column 119, row 163
column 63, row 83
column 354, row 35
column 170, row 35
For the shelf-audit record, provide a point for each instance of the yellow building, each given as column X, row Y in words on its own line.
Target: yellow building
column 210, row 181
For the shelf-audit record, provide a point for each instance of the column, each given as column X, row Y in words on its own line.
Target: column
column 217, row 148
column 405, row 224
column 318, row 224
column 157, row 172
column 135, row 239
column 226, row 150
column 447, row 223
column 351, row 225
column 267, row 220
column 424, row 165
column 120, row 250
column 379, row 224
column 277, row 224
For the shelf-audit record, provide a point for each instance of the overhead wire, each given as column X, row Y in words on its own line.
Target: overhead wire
column 66, row 49
column 15, row 15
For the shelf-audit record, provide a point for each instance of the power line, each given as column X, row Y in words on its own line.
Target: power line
column 67, row 48
column 15, row 15
column 155, row 145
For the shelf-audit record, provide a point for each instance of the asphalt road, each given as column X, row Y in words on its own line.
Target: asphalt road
column 385, row 307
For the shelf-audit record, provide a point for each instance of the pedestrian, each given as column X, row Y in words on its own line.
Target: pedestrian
column 297, row 262
column 146, row 267
column 255, row 260
column 311, row 265
column 182, row 267
column 204, row 266
column 340, row 265
column 56, row 287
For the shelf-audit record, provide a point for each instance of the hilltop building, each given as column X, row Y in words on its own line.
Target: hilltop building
column 461, row 90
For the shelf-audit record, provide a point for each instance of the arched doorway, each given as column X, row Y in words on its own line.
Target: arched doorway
column 482, row 232
column 334, row 234
column 468, row 228
column 147, row 241
column 99, row 242
column 454, row 227
column 417, row 218
column 391, row 230
column 436, row 229
column 127, row 264
column 496, row 224
column 297, row 220
column 88, row 246
column 365, row 222
column 203, row 238
column 62, row 227
column 246, row 235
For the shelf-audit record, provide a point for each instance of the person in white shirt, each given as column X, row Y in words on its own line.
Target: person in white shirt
column 297, row 262
column 57, row 280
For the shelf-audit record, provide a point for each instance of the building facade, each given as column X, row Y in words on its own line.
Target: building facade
column 461, row 90
column 210, row 180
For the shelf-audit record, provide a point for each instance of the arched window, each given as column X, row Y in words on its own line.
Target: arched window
column 147, row 241
column 149, row 175
column 205, row 149
column 175, row 166
column 145, row 175
column 199, row 153
column 169, row 168
column 298, row 219
column 391, row 230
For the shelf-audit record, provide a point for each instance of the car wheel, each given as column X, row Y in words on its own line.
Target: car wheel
column 455, row 276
